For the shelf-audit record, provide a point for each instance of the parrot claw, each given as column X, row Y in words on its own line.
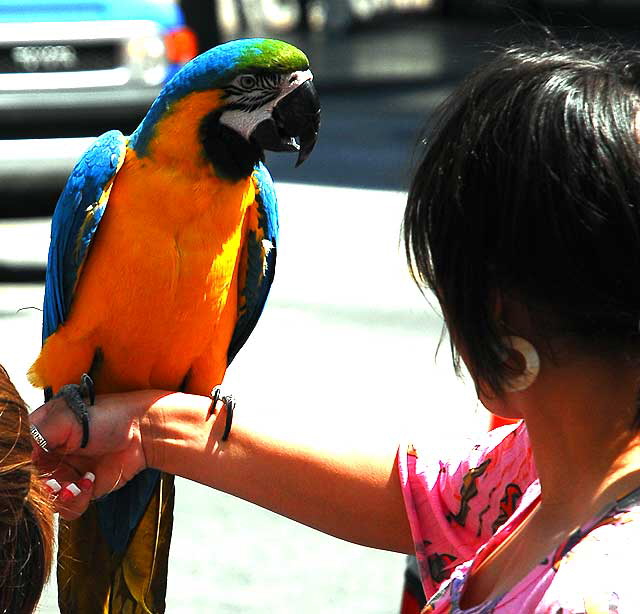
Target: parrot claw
column 88, row 388
column 78, row 397
column 229, row 404
column 215, row 397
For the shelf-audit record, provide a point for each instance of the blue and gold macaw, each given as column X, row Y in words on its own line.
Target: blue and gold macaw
column 162, row 254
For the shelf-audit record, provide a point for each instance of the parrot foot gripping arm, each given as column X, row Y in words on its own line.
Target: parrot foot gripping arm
column 78, row 397
column 229, row 404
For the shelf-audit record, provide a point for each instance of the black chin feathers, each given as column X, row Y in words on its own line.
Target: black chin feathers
column 232, row 157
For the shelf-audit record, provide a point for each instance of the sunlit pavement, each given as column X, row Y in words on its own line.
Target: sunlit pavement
column 345, row 338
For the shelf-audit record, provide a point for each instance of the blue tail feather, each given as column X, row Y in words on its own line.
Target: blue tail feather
column 120, row 511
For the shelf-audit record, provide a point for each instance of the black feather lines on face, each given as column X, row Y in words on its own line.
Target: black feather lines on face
column 250, row 92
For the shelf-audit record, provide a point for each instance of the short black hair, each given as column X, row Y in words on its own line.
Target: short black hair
column 529, row 185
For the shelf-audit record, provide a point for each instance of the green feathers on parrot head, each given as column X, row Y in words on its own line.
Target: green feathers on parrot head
column 217, row 67
column 265, row 54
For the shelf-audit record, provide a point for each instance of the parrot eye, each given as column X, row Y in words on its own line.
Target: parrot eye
column 247, row 81
column 250, row 92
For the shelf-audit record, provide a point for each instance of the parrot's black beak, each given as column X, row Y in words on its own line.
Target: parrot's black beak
column 293, row 125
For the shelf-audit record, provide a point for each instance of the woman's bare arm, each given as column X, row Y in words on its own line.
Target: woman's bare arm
column 304, row 467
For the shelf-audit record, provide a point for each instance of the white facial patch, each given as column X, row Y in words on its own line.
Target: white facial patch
column 242, row 121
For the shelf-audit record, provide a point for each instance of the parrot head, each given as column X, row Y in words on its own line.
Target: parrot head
column 263, row 99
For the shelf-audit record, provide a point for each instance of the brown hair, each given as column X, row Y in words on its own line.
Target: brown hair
column 26, row 515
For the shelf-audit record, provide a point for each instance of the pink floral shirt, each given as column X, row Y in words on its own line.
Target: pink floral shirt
column 460, row 510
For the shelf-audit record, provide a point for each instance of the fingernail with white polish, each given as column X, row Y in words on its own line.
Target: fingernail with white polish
column 87, row 481
column 54, row 485
column 70, row 491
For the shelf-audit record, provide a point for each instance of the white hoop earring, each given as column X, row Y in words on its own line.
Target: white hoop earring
column 531, row 364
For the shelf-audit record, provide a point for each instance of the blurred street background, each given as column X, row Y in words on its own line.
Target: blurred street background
column 345, row 337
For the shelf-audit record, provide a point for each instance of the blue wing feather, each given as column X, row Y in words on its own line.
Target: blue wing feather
column 260, row 261
column 75, row 221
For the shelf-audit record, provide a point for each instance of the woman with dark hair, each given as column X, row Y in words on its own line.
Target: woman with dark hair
column 524, row 220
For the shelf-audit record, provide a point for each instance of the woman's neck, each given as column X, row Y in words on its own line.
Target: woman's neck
column 579, row 420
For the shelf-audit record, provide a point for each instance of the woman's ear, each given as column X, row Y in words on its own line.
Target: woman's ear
column 512, row 315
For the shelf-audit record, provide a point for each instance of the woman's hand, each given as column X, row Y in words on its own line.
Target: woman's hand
column 294, row 463
column 114, row 453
